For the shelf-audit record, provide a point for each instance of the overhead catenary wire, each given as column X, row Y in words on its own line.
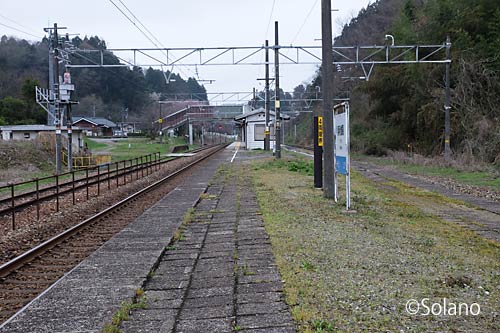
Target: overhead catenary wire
column 19, row 30
column 268, row 25
column 18, row 24
column 151, row 36
column 107, row 69
column 305, row 21
column 270, row 18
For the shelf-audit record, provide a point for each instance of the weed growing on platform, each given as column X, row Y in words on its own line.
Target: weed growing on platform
column 321, row 326
column 355, row 272
column 246, row 270
column 301, row 166
column 178, row 235
column 206, row 196
column 189, row 216
column 123, row 313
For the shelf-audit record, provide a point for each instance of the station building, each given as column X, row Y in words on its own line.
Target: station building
column 253, row 125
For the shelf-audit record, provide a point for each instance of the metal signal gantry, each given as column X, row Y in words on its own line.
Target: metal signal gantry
column 366, row 56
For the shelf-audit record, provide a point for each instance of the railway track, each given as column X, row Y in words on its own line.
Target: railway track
column 28, row 275
column 31, row 198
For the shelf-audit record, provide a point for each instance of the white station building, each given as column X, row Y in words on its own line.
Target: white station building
column 253, row 126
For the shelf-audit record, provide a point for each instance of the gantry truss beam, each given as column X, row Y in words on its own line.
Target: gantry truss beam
column 366, row 56
column 223, row 98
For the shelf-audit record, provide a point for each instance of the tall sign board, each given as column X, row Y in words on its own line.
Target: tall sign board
column 341, row 138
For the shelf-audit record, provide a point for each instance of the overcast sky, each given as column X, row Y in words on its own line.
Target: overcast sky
column 189, row 23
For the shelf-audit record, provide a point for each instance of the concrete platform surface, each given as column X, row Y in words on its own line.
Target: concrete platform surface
column 220, row 276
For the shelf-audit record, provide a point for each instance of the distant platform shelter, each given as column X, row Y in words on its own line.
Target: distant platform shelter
column 253, row 127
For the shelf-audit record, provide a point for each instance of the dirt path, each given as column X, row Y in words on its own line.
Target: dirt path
column 480, row 214
column 111, row 142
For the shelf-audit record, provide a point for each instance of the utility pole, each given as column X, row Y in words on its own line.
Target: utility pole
column 254, row 98
column 57, row 107
column 50, row 115
column 447, row 106
column 65, row 91
column 277, row 121
column 327, row 68
column 160, row 122
column 267, row 138
column 69, row 124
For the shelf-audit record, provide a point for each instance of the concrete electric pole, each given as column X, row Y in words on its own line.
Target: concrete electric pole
column 267, row 97
column 57, row 106
column 277, row 120
column 447, row 106
column 327, row 71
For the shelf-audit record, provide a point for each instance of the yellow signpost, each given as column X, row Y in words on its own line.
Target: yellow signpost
column 320, row 131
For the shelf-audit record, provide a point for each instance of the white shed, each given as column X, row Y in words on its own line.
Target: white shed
column 253, row 125
column 32, row 132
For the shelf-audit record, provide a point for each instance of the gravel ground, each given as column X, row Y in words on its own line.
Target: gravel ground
column 355, row 272
column 30, row 233
column 453, row 185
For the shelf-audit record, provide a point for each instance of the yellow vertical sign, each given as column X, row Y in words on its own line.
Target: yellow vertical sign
column 320, row 131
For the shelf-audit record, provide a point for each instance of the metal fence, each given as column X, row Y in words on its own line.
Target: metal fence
column 16, row 197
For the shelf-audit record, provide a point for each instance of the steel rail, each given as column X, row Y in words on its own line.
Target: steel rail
column 52, row 187
column 93, row 180
column 12, row 265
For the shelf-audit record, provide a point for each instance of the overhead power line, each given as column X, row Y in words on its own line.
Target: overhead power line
column 18, row 24
column 21, row 31
column 305, row 21
column 270, row 18
column 151, row 37
column 108, row 70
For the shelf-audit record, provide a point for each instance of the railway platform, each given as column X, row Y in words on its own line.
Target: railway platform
column 199, row 260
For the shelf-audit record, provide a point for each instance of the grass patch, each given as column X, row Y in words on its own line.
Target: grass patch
column 93, row 144
column 355, row 272
column 299, row 165
column 130, row 148
column 322, row 326
column 486, row 177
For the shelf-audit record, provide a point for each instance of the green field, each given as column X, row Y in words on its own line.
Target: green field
column 125, row 149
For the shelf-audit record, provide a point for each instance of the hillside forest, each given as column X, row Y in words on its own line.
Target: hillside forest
column 102, row 92
column 400, row 106
column 404, row 105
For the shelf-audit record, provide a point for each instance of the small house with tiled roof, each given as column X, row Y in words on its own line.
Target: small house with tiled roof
column 95, row 126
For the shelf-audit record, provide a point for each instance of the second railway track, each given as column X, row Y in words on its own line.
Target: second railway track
column 28, row 275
